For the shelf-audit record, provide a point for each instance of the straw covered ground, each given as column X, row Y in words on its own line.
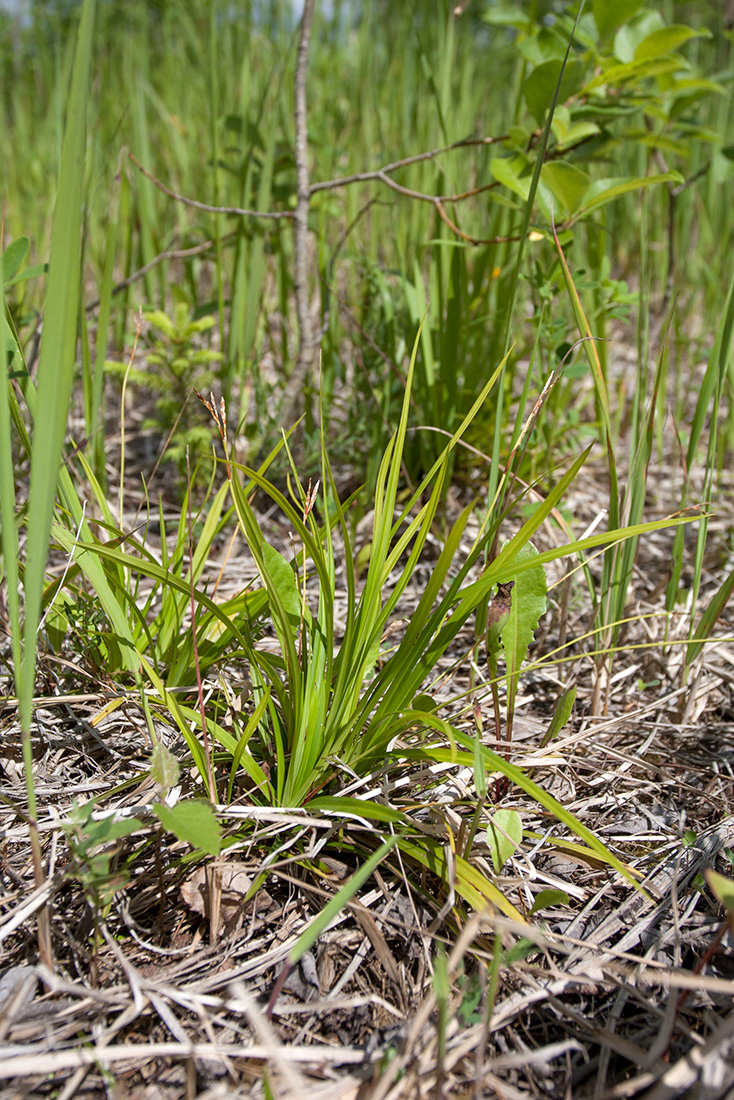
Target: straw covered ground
column 169, row 990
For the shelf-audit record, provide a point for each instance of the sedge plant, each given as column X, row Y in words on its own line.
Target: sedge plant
column 322, row 708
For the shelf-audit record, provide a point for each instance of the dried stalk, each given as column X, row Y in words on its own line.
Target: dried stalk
column 308, row 340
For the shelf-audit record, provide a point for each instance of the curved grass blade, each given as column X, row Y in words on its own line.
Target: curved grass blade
column 494, row 762
column 469, row 882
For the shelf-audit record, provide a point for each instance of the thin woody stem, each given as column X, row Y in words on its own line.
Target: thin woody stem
column 237, row 210
column 307, row 346
column 378, row 173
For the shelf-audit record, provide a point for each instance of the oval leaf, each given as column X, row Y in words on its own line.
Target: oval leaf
column 504, row 835
column 664, row 41
column 526, row 608
column 280, row 576
column 603, row 191
column 546, row 898
column 164, row 769
column 540, row 86
column 567, row 182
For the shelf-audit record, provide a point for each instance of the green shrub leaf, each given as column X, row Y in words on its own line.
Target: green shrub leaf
column 540, row 86
column 610, row 14
column 567, row 182
column 13, row 257
column 603, row 191
column 192, row 822
column 664, row 41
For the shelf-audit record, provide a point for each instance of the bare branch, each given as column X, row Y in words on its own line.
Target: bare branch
column 378, row 173
column 465, row 236
column 168, row 254
column 237, row 210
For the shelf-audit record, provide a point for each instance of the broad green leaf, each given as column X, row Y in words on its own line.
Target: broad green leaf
column 519, row 135
column 110, row 828
column 569, row 133
column 614, row 75
column 546, row 898
column 519, row 951
column 540, row 86
column 603, row 191
column 27, row 273
column 527, row 604
column 610, row 14
column 665, row 41
column 567, row 182
column 504, row 171
column 504, row 836
column 280, row 576
column 691, row 86
column 193, row 822
column 503, row 14
column 630, row 34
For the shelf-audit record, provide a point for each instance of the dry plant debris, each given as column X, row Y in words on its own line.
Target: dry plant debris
column 614, row 994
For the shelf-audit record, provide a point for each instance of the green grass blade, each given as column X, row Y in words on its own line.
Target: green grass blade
column 95, row 422
column 56, row 364
column 8, row 527
column 496, row 763
column 332, row 908
column 710, row 616
column 468, row 881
